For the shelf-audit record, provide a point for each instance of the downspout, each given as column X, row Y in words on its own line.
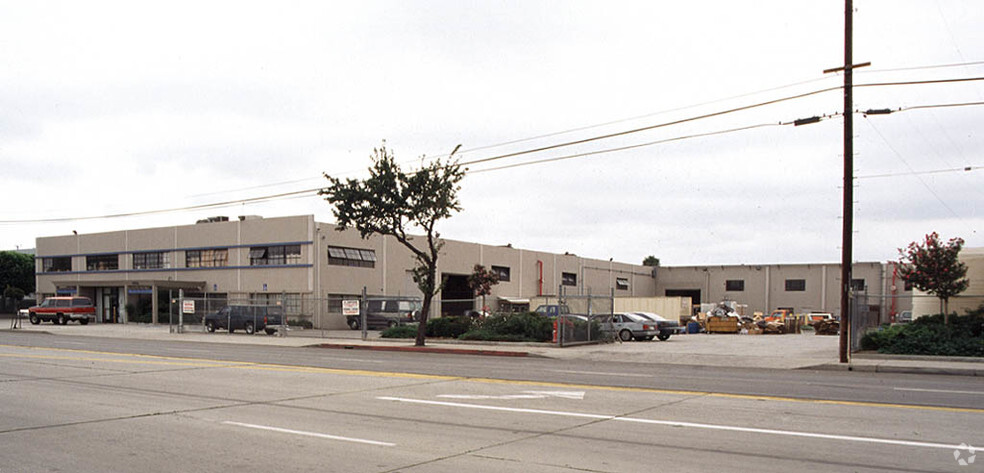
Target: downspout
column 539, row 289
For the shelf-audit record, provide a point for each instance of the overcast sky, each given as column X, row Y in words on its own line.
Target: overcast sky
column 126, row 107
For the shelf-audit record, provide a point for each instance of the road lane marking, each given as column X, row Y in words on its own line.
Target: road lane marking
column 164, row 360
column 310, row 434
column 605, row 373
column 945, row 391
column 574, row 395
column 671, row 423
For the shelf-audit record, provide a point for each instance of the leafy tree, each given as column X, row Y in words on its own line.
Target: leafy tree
column 651, row 261
column 17, row 270
column 932, row 266
column 392, row 202
column 481, row 281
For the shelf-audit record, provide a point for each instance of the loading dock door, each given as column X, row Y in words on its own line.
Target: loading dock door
column 456, row 297
column 693, row 294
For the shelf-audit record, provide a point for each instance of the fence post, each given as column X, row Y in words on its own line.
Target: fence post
column 362, row 314
column 181, row 310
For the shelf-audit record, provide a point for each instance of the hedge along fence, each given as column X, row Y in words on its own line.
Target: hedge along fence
column 520, row 327
column 964, row 336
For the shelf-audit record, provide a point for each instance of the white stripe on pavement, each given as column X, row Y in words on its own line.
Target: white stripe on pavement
column 945, row 391
column 310, row 434
column 670, row 423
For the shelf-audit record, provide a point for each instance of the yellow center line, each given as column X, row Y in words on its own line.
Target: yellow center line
column 156, row 360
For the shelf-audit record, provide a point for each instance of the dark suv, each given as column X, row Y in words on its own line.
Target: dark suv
column 249, row 318
column 386, row 313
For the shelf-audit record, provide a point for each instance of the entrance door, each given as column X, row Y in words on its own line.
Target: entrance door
column 110, row 305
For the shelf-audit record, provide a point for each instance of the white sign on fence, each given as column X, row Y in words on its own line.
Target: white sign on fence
column 350, row 307
column 188, row 306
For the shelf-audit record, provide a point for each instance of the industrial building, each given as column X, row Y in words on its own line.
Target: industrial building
column 132, row 274
column 799, row 288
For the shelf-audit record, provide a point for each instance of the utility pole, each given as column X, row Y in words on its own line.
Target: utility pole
column 847, row 237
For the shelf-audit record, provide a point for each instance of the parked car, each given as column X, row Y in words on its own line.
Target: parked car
column 665, row 326
column 386, row 313
column 249, row 318
column 628, row 326
column 552, row 310
column 62, row 309
column 904, row 317
column 816, row 317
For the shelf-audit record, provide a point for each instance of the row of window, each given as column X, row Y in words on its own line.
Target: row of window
column 276, row 255
column 212, row 258
column 795, row 285
column 567, row 279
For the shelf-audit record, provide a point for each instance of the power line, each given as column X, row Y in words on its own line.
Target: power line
column 625, row 148
column 652, row 127
column 623, row 120
column 917, row 173
column 259, row 199
column 924, row 183
column 918, row 68
column 313, row 191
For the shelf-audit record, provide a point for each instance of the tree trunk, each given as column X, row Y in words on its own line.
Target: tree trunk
column 422, row 326
column 945, row 307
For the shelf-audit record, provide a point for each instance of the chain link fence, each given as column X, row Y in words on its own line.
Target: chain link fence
column 288, row 314
column 589, row 321
column 867, row 314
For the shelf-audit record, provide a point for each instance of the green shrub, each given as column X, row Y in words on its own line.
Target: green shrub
column 448, row 327
column 964, row 336
column 527, row 326
column 400, row 331
column 304, row 323
column 488, row 335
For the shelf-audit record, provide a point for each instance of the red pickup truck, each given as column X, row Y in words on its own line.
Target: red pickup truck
column 62, row 309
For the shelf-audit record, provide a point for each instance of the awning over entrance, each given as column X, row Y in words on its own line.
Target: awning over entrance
column 514, row 300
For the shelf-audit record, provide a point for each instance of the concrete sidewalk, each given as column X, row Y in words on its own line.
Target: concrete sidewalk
column 801, row 351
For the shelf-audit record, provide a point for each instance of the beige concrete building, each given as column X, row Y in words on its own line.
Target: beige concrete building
column 971, row 299
column 797, row 287
column 132, row 275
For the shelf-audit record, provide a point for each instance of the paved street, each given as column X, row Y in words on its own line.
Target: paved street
column 98, row 404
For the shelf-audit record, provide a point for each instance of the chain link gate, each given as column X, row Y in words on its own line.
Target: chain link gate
column 589, row 320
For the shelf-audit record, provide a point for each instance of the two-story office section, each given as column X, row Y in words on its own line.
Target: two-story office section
column 132, row 274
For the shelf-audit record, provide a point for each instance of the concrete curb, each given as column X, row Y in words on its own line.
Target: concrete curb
column 887, row 357
column 898, row 369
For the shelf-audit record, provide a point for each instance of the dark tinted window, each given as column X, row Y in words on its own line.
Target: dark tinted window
column 796, row 284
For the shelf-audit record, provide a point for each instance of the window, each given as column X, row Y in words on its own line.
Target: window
column 734, row 285
column 56, row 264
column 274, row 255
column 102, row 262
column 858, row 285
column 568, row 279
column 622, row 284
column 215, row 258
column 359, row 258
column 157, row 260
column 795, row 285
column 502, row 272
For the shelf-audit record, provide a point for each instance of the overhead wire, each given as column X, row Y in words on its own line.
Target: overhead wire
column 624, row 120
column 313, row 191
